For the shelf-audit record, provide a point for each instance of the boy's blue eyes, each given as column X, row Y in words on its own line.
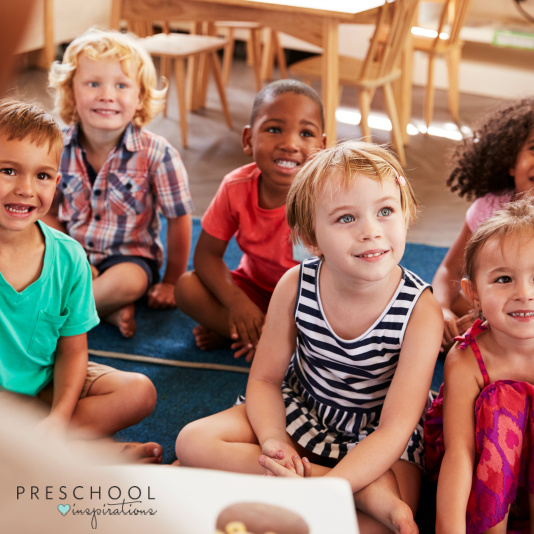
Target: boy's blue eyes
column 344, row 219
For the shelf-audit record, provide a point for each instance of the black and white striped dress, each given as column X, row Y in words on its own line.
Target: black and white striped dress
column 334, row 389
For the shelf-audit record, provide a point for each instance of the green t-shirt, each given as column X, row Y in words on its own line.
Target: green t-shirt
column 60, row 303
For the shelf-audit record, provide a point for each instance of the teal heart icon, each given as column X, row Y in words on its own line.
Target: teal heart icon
column 63, row 508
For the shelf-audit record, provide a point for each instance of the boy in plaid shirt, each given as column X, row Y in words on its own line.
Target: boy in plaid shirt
column 117, row 176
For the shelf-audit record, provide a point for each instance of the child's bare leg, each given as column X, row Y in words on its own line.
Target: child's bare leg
column 197, row 301
column 114, row 401
column 223, row 441
column 115, row 291
column 389, row 504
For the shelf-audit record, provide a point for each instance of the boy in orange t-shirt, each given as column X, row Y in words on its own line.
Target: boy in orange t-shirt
column 286, row 126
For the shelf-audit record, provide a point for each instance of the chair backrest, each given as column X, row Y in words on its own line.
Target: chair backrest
column 393, row 25
column 453, row 14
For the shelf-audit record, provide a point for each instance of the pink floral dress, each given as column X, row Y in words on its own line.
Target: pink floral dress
column 504, row 454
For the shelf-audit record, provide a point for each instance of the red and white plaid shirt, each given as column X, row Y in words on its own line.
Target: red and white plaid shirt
column 118, row 213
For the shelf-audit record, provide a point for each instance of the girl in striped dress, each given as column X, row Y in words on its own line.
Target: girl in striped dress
column 348, row 349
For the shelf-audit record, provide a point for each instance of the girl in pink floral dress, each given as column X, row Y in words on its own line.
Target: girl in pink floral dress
column 488, row 392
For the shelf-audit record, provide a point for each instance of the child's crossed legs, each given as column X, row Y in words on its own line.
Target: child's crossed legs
column 227, row 441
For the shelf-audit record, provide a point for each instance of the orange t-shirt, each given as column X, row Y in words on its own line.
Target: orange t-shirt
column 262, row 234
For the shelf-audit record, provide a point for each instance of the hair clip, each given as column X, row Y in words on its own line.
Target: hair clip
column 399, row 177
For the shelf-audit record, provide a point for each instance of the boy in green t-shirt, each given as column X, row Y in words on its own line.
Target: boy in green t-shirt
column 46, row 300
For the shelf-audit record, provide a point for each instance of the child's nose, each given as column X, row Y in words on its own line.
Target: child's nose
column 369, row 228
column 25, row 186
column 290, row 141
column 107, row 92
column 524, row 291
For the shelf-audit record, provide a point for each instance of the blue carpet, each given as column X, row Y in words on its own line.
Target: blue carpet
column 187, row 394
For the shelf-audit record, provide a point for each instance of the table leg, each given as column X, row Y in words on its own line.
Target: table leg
column 330, row 81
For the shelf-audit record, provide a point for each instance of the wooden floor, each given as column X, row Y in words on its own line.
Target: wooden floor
column 214, row 150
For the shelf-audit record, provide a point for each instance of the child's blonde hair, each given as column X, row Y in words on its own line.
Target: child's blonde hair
column 107, row 45
column 515, row 220
column 336, row 167
column 20, row 120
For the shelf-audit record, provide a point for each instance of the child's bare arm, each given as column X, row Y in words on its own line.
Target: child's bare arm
column 446, row 283
column 70, row 370
column 178, row 247
column 265, row 404
column 245, row 318
column 405, row 400
column 456, row 473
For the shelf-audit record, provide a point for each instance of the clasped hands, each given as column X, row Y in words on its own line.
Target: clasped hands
column 281, row 460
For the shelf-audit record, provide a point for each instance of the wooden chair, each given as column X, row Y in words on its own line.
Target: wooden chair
column 445, row 42
column 179, row 47
column 255, row 58
column 380, row 68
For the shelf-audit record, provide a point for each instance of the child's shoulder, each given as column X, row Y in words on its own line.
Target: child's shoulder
column 246, row 174
column 66, row 247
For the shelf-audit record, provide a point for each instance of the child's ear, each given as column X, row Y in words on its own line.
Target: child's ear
column 470, row 292
column 323, row 139
column 58, row 177
column 246, row 140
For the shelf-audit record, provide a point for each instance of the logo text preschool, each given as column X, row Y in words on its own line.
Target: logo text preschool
column 93, row 501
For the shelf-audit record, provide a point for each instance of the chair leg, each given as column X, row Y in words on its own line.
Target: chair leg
column 453, row 65
column 179, row 75
column 429, row 97
column 364, row 100
column 267, row 56
column 164, row 70
column 228, row 56
column 280, row 55
column 396, row 132
column 255, row 53
column 216, row 69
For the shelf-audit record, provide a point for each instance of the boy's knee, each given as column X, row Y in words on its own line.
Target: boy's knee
column 141, row 394
column 185, row 288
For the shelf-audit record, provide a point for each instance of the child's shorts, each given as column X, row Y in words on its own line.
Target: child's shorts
column 148, row 265
column 261, row 297
column 94, row 371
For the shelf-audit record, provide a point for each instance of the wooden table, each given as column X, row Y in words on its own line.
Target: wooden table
column 309, row 20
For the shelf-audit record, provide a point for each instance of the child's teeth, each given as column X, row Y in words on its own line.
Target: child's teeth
column 17, row 210
column 528, row 314
column 288, row 164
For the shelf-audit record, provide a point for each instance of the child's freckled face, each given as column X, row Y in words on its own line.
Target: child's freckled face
column 287, row 129
column 523, row 171
column 106, row 98
column 28, row 179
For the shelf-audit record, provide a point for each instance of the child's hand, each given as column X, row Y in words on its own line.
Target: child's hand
column 296, row 468
column 245, row 324
column 284, row 456
column 243, row 350
column 161, row 296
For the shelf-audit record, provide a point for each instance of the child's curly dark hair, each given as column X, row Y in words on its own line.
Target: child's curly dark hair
column 482, row 162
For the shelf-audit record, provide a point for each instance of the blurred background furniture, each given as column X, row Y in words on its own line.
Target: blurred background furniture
column 315, row 22
column 178, row 48
column 446, row 42
column 380, row 68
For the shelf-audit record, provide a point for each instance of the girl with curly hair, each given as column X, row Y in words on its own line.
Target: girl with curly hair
column 492, row 167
